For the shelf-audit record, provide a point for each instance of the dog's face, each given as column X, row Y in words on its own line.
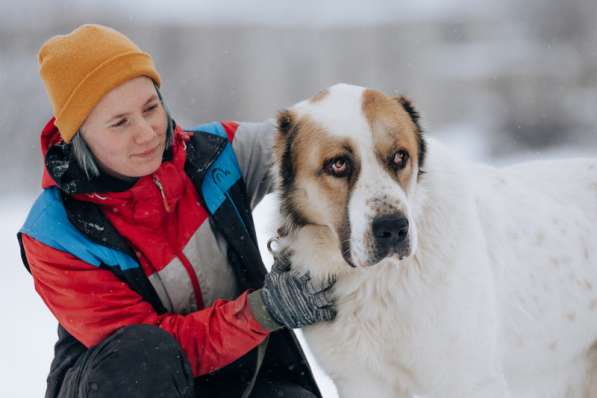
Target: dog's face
column 349, row 158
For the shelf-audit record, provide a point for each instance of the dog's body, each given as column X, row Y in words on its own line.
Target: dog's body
column 491, row 293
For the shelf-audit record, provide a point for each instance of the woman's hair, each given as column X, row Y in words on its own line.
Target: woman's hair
column 84, row 157
column 87, row 160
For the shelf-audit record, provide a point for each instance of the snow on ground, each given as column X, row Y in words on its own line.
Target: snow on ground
column 29, row 331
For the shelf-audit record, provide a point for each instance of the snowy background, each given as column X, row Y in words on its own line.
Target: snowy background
column 499, row 80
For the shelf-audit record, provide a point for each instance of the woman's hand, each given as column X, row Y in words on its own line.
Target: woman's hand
column 293, row 300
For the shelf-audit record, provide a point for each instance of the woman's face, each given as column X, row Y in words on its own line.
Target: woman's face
column 126, row 130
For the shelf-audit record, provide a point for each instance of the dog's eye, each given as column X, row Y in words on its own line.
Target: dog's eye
column 338, row 167
column 400, row 159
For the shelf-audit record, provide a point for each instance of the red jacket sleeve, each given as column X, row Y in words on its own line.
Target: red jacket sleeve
column 91, row 303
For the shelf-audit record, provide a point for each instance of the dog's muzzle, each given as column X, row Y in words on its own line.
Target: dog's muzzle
column 390, row 233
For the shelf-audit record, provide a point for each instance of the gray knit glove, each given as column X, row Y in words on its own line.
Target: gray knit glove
column 292, row 300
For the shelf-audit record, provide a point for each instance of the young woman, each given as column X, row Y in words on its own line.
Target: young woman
column 142, row 243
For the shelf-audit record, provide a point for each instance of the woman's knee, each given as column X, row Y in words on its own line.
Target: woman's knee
column 135, row 361
column 266, row 389
column 146, row 341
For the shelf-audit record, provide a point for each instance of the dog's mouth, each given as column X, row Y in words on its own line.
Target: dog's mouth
column 394, row 256
column 394, row 253
column 377, row 255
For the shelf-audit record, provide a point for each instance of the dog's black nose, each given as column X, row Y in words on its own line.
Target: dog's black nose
column 390, row 232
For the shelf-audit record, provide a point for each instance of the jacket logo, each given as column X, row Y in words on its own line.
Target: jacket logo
column 218, row 175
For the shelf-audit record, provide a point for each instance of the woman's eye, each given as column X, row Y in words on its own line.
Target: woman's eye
column 400, row 159
column 151, row 108
column 339, row 167
column 120, row 123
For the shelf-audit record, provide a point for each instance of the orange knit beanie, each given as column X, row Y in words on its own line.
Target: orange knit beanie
column 79, row 68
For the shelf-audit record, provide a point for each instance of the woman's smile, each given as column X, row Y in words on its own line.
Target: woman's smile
column 148, row 153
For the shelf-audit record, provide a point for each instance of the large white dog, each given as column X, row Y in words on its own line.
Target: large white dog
column 454, row 279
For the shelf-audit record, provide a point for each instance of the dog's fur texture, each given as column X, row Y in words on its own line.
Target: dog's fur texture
column 492, row 292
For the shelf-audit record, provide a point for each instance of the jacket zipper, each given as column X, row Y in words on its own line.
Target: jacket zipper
column 193, row 277
column 183, row 259
column 158, row 184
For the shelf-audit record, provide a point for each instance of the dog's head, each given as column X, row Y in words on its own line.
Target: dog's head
column 350, row 158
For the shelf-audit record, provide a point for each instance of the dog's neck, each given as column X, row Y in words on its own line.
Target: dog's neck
column 442, row 206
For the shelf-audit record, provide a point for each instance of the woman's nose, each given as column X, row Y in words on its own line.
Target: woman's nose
column 144, row 131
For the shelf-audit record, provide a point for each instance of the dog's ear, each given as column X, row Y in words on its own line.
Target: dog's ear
column 285, row 121
column 408, row 106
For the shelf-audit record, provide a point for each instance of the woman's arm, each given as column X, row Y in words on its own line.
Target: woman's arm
column 252, row 144
column 91, row 303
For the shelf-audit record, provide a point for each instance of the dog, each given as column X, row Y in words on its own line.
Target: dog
column 454, row 279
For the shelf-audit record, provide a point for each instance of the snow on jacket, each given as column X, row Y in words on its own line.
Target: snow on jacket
column 200, row 298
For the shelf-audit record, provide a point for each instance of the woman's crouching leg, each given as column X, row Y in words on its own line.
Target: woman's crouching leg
column 136, row 361
column 266, row 389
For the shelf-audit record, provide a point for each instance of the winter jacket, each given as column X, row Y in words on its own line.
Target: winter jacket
column 176, row 249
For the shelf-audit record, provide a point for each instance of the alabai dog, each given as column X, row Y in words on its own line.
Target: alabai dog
column 454, row 279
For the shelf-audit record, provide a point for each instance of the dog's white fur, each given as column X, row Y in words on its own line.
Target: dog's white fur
column 499, row 295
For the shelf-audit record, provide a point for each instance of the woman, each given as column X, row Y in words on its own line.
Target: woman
column 142, row 243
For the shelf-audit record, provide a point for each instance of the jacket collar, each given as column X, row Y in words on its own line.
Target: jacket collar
column 203, row 150
column 62, row 170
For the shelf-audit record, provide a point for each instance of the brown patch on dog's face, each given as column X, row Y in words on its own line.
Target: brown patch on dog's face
column 305, row 154
column 319, row 96
column 366, row 129
column 396, row 134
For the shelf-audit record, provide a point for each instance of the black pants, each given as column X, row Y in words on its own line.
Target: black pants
column 145, row 361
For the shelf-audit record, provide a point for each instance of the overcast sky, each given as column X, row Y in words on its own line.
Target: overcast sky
column 271, row 12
